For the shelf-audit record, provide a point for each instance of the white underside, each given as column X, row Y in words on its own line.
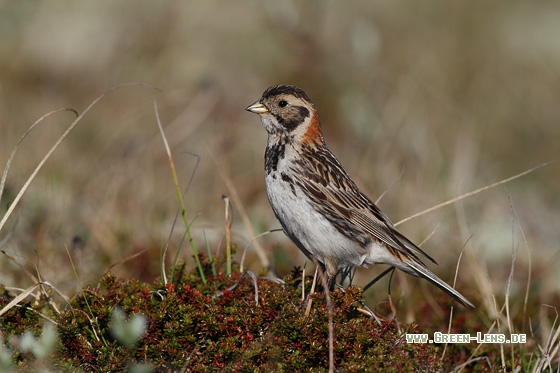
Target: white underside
column 315, row 234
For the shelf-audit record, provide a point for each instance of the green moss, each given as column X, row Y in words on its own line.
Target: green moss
column 209, row 329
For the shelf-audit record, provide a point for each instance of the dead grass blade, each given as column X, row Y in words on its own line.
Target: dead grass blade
column 29, row 274
column 244, row 217
column 251, row 242
column 480, row 346
column 228, row 236
column 18, row 298
column 529, row 264
column 460, row 367
column 510, row 279
column 9, row 235
column 11, row 157
column 14, row 150
column 255, row 286
column 469, row 194
column 37, row 280
column 27, row 292
column 551, row 348
column 311, row 291
column 303, row 284
column 37, row 297
column 389, row 187
column 126, row 259
column 181, row 202
column 454, row 283
column 57, row 144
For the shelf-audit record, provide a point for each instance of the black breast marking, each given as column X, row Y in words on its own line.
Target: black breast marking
column 273, row 154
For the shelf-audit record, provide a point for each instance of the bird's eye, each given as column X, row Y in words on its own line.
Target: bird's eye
column 283, row 103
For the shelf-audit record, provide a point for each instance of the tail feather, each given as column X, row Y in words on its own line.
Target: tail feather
column 420, row 270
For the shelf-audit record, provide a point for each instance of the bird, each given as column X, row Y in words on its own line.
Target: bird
column 320, row 207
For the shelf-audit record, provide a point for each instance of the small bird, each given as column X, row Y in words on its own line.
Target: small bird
column 318, row 205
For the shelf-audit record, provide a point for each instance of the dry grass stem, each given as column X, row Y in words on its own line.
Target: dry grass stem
column 27, row 292
column 32, row 176
column 470, row 194
column 389, row 187
column 228, row 235
column 57, row 143
column 454, row 283
column 241, row 265
column 180, row 199
column 303, row 284
column 22, row 267
column 311, row 291
column 244, row 217
column 126, row 259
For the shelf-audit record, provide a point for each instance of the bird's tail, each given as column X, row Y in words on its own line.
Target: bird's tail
column 419, row 269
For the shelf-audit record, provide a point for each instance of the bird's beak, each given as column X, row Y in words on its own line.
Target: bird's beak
column 257, row 108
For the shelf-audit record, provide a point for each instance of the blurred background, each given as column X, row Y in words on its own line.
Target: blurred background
column 453, row 95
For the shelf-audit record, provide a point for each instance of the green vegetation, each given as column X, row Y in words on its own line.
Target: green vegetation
column 204, row 328
column 224, row 326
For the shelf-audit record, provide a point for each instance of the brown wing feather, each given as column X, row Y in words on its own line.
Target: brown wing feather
column 326, row 183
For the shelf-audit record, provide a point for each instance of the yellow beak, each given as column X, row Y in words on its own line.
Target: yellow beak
column 257, row 108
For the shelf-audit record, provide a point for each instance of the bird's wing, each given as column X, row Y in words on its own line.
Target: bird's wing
column 334, row 194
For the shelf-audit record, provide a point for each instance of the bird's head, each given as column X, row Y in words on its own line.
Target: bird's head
column 287, row 112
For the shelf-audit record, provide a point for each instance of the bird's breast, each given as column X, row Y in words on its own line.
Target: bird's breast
column 307, row 227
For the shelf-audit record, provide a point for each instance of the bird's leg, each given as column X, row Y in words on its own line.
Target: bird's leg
column 331, row 269
column 331, row 281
